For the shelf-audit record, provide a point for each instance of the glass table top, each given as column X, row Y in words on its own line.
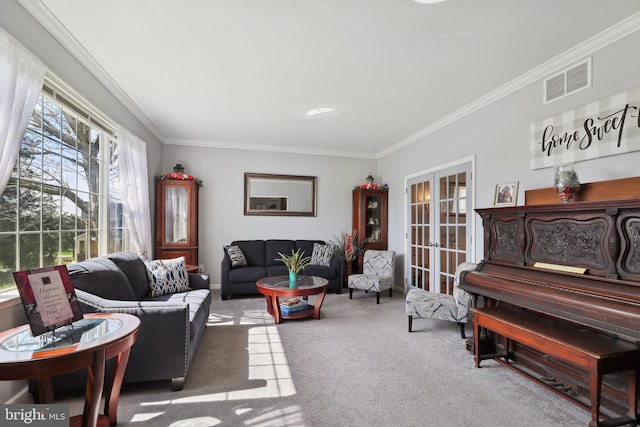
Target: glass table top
column 302, row 282
column 81, row 331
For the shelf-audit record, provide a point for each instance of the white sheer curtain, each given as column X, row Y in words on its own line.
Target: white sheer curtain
column 21, row 77
column 134, row 186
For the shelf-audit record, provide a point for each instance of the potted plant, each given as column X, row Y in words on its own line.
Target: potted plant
column 294, row 262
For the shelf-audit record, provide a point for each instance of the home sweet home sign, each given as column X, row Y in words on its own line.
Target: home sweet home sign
column 607, row 127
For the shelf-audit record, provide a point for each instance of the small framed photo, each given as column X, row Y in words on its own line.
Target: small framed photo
column 48, row 297
column 506, row 194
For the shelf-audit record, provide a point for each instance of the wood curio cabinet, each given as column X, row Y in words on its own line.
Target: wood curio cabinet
column 370, row 213
column 177, row 220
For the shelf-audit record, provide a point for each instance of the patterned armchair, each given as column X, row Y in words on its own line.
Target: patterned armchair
column 377, row 273
column 429, row 305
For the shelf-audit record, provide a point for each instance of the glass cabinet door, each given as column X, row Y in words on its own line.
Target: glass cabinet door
column 370, row 217
column 373, row 225
column 177, row 220
column 176, row 214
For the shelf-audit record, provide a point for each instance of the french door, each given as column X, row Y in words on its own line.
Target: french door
column 439, row 227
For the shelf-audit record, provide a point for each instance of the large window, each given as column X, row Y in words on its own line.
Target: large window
column 62, row 202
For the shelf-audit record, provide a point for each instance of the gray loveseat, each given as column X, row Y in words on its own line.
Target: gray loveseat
column 261, row 255
column 171, row 325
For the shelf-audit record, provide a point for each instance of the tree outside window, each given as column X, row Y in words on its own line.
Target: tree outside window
column 61, row 204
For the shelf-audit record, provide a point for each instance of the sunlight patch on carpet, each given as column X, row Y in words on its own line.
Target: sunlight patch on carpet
column 249, row 317
column 140, row 418
column 197, row 422
column 289, row 416
column 267, row 362
column 157, row 402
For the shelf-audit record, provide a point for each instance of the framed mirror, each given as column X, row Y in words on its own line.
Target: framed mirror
column 287, row 195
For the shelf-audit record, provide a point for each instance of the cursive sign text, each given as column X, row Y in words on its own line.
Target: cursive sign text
column 591, row 131
column 607, row 127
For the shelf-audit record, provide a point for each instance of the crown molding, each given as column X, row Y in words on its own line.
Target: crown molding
column 268, row 148
column 605, row 38
column 44, row 16
column 614, row 33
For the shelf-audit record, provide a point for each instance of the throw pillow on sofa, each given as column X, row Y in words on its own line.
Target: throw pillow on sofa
column 322, row 254
column 237, row 256
column 167, row 276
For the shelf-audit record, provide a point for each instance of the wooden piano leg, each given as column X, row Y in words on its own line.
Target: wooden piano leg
column 505, row 344
column 595, row 388
column 476, row 343
column 633, row 394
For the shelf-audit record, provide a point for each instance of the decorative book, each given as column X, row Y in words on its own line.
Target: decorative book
column 292, row 308
column 290, row 301
column 48, row 298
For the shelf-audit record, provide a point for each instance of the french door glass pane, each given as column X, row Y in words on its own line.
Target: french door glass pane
column 438, row 232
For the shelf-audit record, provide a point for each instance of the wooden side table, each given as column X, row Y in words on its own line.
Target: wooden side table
column 192, row 268
column 279, row 286
column 91, row 341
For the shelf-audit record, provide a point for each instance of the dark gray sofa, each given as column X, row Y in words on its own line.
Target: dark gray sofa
column 261, row 255
column 171, row 325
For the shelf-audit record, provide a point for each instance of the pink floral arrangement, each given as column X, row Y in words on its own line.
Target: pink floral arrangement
column 348, row 247
column 180, row 176
column 370, row 186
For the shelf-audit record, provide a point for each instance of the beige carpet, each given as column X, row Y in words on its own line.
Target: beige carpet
column 357, row 366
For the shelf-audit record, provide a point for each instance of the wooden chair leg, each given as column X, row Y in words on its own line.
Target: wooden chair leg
column 377, row 297
column 410, row 322
column 462, row 330
column 390, row 292
column 350, row 293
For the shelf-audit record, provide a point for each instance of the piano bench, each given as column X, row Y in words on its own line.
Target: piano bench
column 595, row 353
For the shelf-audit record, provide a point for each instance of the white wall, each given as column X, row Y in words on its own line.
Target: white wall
column 17, row 22
column 498, row 137
column 221, row 212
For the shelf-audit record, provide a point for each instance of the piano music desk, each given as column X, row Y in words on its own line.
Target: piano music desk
column 596, row 353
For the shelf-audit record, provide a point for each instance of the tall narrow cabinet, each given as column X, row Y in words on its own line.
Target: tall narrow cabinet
column 370, row 214
column 177, row 220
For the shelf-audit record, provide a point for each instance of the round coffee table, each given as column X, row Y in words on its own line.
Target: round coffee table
column 279, row 286
column 93, row 340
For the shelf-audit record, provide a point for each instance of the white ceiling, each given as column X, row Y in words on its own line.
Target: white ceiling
column 244, row 73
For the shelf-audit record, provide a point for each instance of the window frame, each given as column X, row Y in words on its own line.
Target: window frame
column 108, row 192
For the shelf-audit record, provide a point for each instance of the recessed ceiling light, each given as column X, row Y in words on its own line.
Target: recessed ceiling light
column 319, row 111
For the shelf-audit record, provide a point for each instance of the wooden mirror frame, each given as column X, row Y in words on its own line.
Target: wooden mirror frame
column 278, row 201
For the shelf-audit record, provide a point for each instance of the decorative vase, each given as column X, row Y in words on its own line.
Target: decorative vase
column 565, row 182
column 293, row 279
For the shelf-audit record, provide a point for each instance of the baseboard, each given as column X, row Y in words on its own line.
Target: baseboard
column 21, row 397
column 215, row 286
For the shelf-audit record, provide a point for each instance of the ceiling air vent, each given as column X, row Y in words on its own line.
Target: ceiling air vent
column 567, row 81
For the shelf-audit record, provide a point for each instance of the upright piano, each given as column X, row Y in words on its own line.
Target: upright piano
column 523, row 246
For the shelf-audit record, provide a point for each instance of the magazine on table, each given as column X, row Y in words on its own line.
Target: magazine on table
column 48, row 297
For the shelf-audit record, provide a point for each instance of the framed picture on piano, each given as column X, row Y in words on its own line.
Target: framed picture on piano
column 506, row 194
